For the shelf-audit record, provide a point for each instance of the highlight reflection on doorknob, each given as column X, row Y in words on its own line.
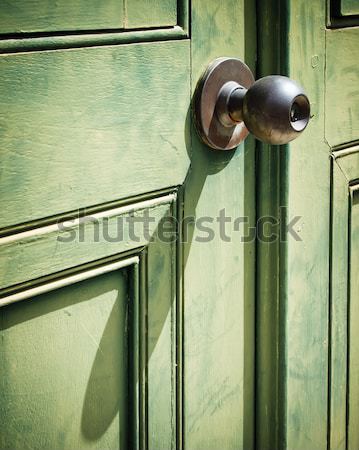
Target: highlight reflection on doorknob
column 228, row 104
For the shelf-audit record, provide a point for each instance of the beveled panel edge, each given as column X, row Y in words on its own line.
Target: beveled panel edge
column 120, row 210
column 344, row 182
column 336, row 20
column 20, row 242
column 183, row 16
column 67, row 281
column 340, row 152
column 138, row 334
column 84, row 211
column 347, row 161
column 61, row 42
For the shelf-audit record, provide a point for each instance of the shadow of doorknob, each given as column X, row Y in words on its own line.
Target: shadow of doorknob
column 228, row 104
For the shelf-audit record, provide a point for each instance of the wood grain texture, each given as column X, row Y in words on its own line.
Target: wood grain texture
column 219, row 276
column 66, row 41
column 339, row 306
column 270, row 390
column 150, row 13
column 32, row 16
column 72, row 245
column 74, row 125
column 305, row 262
column 341, row 86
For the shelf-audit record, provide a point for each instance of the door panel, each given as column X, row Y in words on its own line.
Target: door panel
column 31, row 16
column 96, row 133
column 75, row 124
column 56, row 307
column 151, row 13
column 342, row 93
column 80, row 240
column 64, row 367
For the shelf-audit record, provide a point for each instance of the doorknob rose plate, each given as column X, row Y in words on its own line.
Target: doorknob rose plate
column 228, row 104
column 212, row 123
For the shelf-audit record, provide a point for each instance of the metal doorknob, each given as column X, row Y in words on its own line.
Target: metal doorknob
column 228, row 104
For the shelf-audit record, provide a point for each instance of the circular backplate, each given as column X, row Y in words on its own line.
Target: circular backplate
column 210, row 128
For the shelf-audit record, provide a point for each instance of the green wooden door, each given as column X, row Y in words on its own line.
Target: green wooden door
column 308, row 287
column 116, row 334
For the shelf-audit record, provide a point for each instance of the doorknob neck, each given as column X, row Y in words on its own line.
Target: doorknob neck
column 229, row 104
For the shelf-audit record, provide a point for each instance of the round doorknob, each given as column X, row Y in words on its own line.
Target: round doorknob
column 229, row 104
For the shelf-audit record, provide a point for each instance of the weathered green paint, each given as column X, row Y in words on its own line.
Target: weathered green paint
column 95, row 128
column 341, row 86
column 349, row 7
column 151, row 13
column 219, row 276
column 64, row 368
column 70, row 244
column 305, row 265
column 293, row 283
column 149, row 407
column 343, row 394
column 338, row 307
column 32, row 16
column 314, row 365
column 74, row 125
column 105, row 127
column 353, row 312
column 270, row 389
column 56, row 42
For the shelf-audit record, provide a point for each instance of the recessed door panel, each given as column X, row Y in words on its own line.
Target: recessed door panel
column 87, row 126
column 349, row 7
column 341, row 88
column 32, row 16
column 65, row 367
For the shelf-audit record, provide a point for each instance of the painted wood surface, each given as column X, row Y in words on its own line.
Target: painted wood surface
column 219, row 276
column 150, row 293
column 83, row 148
column 315, row 364
column 163, row 337
column 31, row 16
column 270, row 343
column 151, row 13
column 74, row 125
column 343, row 429
column 341, row 87
column 302, row 266
column 73, row 243
column 339, row 306
column 64, row 368
column 353, row 312
column 349, row 7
